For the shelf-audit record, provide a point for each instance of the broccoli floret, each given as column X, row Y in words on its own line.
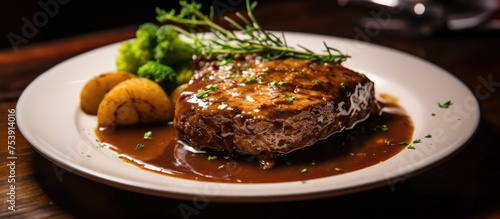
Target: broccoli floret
column 154, row 53
column 126, row 60
column 163, row 75
column 145, row 42
column 147, row 30
column 166, row 33
column 137, row 52
column 171, row 49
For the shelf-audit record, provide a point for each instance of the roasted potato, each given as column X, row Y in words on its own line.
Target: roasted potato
column 94, row 90
column 176, row 92
column 134, row 101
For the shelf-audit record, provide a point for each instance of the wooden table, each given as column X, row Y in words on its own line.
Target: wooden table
column 465, row 186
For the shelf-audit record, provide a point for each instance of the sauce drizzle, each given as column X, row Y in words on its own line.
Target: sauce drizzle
column 370, row 142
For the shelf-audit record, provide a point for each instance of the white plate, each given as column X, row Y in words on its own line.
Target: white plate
column 49, row 117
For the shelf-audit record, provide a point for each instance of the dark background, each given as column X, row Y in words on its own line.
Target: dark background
column 56, row 19
column 76, row 17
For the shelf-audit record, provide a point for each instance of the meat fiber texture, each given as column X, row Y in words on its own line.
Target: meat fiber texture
column 269, row 108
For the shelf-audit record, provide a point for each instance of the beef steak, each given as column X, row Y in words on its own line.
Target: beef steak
column 244, row 104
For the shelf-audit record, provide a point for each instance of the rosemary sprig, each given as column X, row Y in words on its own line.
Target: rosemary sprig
column 253, row 38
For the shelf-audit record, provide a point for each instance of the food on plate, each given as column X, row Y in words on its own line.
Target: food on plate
column 132, row 102
column 157, row 53
column 270, row 108
column 156, row 49
column 235, row 102
column 94, row 90
column 163, row 75
column 217, row 110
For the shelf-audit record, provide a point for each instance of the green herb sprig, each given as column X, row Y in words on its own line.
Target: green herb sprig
column 253, row 38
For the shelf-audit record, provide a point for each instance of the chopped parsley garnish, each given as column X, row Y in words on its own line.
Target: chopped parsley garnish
column 139, row 146
column 148, row 135
column 382, row 128
column 445, row 105
column 99, row 143
column 254, row 80
column 226, row 62
column 233, row 76
column 343, row 85
column 211, row 157
column 211, row 87
column 416, row 141
column 246, row 67
column 290, row 98
column 428, row 136
column 388, row 142
column 220, row 166
column 204, row 93
column 316, row 81
column 278, row 83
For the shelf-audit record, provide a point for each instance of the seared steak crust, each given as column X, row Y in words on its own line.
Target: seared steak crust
column 268, row 108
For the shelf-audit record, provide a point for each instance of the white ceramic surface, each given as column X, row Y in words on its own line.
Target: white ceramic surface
column 49, row 117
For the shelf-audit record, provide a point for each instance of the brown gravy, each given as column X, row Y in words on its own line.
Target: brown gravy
column 367, row 144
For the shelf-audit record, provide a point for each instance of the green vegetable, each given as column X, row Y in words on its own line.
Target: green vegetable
column 316, row 81
column 145, row 41
column 157, row 53
column 171, row 49
column 445, row 105
column 132, row 54
column 343, row 85
column 139, row 146
column 382, row 128
column 290, row 98
column 148, row 135
column 166, row 33
column 278, row 83
column 202, row 94
column 160, row 54
column 159, row 73
column 126, row 60
column 226, row 42
column 250, row 80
